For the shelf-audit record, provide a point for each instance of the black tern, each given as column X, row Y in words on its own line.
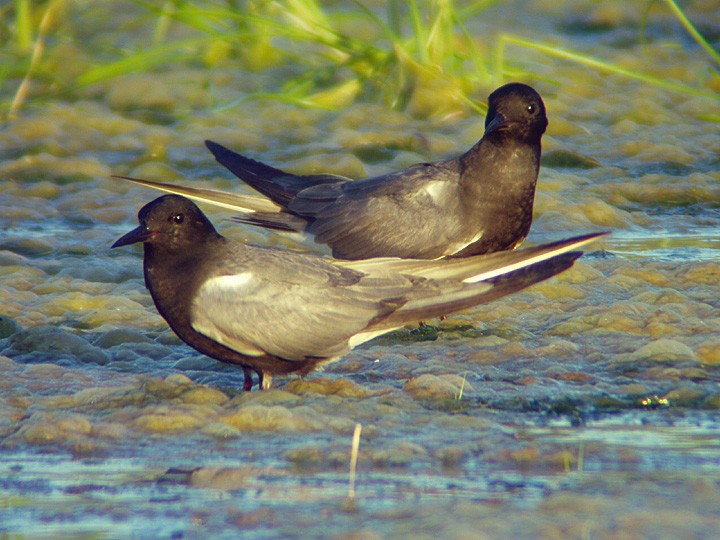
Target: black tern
column 479, row 202
column 274, row 311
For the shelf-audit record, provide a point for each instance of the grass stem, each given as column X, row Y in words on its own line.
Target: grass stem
column 23, row 24
column 353, row 460
column 594, row 63
column 697, row 36
column 24, row 87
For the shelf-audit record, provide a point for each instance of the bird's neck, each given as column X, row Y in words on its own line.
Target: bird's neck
column 172, row 279
column 501, row 170
column 498, row 192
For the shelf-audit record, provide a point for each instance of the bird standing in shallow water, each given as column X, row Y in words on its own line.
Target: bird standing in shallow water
column 273, row 311
column 480, row 202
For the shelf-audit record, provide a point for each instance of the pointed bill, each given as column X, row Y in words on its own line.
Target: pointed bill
column 139, row 234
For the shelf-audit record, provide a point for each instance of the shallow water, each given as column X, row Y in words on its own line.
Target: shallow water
column 583, row 407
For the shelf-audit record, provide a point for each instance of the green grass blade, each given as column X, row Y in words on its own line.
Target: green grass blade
column 23, row 25
column 420, row 33
column 393, row 15
column 140, row 61
column 481, row 69
column 163, row 23
column 600, row 65
column 697, row 36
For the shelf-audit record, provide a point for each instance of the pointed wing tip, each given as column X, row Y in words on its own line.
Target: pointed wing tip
column 215, row 148
column 583, row 240
column 600, row 234
column 140, row 181
column 539, row 254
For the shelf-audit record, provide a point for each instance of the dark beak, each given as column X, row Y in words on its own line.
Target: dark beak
column 141, row 234
column 498, row 122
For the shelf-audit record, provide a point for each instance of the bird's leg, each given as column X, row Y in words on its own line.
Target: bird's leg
column 248, row 384
column 265, row 380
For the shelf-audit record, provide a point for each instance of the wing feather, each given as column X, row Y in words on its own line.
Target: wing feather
column 223, row 199
column 474, row 269
column 293, row 307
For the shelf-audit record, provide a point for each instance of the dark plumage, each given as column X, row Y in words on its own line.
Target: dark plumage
column 479, row 202
column 274, row 311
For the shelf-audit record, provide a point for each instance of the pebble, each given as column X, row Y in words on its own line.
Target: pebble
column 437, row 387
column 8, row 326
column 709, row 352
column 47, row 343
column 663, row 350
column 326, row 387
column 164, row 419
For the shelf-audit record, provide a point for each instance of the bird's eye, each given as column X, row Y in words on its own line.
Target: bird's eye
column 531, row 108
column 178, row 218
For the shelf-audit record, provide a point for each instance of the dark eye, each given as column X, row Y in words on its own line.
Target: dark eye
column 178, row 218
column 532, row 108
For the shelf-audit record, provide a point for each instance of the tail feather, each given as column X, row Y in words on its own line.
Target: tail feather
column 276, row 221
column 257, row 175
column 276, row 184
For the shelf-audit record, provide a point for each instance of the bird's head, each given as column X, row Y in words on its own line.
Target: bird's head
column 517, row 111
column 172, row 222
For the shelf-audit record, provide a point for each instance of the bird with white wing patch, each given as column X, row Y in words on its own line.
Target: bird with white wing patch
column 274, row 312
column 478, row 202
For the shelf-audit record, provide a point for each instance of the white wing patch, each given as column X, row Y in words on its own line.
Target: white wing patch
column 229, row 283
column 362, row 337
column 436, row 190
column 454, row 248
column 204, row 322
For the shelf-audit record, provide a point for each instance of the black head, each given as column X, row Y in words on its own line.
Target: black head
column 170, row 221
column 516, row 110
